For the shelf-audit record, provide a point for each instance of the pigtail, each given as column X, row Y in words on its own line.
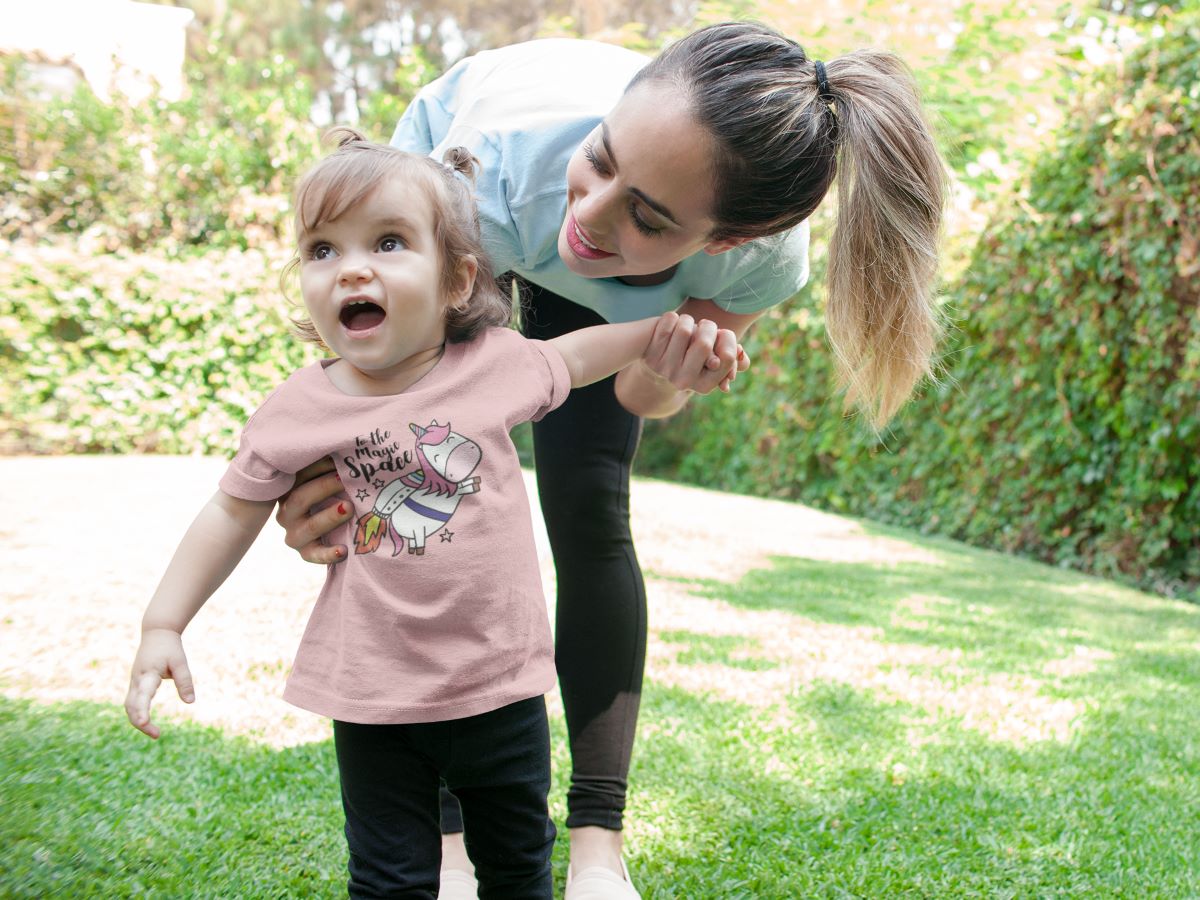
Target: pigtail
column 488, row 305
column 881, row 311
column 463, row 162
column 342, row 135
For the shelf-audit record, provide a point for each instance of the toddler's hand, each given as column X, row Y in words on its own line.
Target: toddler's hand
column 159, row 656
column 741, row 364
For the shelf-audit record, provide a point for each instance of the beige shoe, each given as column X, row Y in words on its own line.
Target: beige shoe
column 599, row 883
column 458, row 885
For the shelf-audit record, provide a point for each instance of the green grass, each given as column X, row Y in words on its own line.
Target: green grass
column 831, row 789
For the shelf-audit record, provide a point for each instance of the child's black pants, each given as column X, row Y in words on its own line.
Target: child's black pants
column 498, row 766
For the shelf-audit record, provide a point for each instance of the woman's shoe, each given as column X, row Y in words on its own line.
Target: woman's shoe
column 458, row 885
column 599, row 883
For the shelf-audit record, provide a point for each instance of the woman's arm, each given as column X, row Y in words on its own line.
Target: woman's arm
column 211, row 549
column 699, row 354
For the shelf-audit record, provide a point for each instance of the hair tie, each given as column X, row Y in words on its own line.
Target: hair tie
column 822, row 82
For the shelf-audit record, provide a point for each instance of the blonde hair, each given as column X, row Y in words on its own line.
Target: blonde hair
column 881, row 311
column 356, row 168
column 781, row 137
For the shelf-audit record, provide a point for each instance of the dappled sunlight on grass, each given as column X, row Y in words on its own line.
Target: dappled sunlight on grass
column 1081, row 661
column 94, row 809
column 778, row 755
column 1005, row 648
column 778, row 653
column 691, row 532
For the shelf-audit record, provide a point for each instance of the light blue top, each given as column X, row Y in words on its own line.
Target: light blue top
column 523, row 110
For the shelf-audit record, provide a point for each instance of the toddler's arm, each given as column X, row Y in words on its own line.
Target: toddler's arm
column 600, row 350
column 211, row 549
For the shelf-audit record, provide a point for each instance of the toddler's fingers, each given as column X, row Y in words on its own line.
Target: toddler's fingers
column 182, row 676
column 137, row 703
column 724, row 349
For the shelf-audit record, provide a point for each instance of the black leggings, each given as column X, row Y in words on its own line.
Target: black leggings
column 497, row 762
column 583, row 452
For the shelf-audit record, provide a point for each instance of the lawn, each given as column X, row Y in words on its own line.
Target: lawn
column 872, row 714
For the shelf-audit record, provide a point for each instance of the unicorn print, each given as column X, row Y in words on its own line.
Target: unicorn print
column 416, row 505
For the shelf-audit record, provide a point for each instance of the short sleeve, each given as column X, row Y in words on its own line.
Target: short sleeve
column 518, row 377
column 258, row 470
column 557, row 377
column 776, row 272
column 252, row 477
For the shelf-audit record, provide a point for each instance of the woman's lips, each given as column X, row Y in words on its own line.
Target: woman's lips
column 579, row 245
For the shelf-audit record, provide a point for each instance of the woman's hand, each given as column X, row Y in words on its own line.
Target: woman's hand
column 686, row 355
column 694, row 356
column 305, row 528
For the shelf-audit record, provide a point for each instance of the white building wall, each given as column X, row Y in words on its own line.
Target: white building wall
column 117, row 44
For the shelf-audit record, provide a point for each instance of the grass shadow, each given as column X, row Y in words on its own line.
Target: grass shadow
column 720, row 649
column 1005, row 614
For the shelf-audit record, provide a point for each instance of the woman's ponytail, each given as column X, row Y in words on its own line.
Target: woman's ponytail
column 881, row 311
column 785, row 126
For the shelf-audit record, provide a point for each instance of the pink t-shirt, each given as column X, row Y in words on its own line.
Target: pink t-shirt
column 438, row 613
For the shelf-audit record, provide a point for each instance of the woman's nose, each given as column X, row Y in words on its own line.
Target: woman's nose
column 595, row 212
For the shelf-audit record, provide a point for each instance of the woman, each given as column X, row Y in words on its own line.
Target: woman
column 615, row 189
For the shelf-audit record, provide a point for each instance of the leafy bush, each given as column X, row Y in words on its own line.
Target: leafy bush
column 1068, row 423
column 135, row 353
column 211, row 170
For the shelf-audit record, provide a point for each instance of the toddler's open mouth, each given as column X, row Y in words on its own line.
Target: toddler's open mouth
column 361, row 315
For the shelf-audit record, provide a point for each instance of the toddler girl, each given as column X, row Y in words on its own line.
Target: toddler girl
column 430, row 648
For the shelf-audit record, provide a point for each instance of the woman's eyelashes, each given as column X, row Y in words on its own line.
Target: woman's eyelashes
column 601, row 169
column 639, row 224
column 589, row 153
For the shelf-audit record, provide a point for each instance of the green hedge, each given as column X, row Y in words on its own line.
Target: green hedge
column 1068, row 424
column 136, row 353
column 212, row 169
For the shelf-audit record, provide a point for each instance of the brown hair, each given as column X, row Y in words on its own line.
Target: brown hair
column 357, row 167
column 781, row 140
